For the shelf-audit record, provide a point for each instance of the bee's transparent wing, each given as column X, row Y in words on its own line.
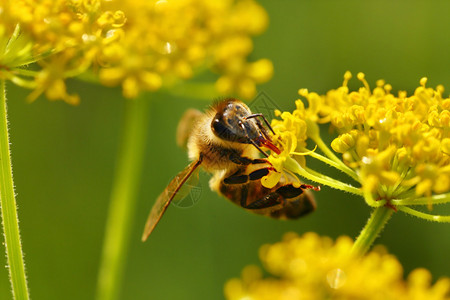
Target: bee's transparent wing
column 163, row 201
column 189, row 192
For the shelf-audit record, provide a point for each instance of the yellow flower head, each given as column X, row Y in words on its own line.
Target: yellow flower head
column 140, row 45
column 395, row 143
column 394, row 146
column 63, row 37
column 314, row 267
column 291, row 134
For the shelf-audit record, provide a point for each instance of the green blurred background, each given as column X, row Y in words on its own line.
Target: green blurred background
column 64, row 158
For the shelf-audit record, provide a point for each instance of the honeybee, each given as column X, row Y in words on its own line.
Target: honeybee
column 227, row 141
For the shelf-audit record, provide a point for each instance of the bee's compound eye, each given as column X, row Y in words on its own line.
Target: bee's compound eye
column 233, row 107
column 220, row 129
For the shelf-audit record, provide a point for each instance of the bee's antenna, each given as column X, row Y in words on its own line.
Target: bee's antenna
column 264, row 118
column 252, row 141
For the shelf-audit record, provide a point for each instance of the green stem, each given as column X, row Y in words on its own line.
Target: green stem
column 322, row 146
column 29, row 84
column 313, row 132
column 370, row 232
column 26, row 72
column 334, row 164
column 425, row 216
column 435, row 199
column 10, row 221
column 331, row 182
column 123, row 198
column 292, row 165
column 13, row 38
column 368, row 197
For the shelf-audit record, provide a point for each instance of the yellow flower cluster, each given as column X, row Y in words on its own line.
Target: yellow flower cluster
column 396, row 146
column 313, row 267
column 291, row 135
column 396, row 142
column 64, row 37
column 140, row 45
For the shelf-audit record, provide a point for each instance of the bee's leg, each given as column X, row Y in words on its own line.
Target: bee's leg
column 289, row 191
column 260, row 173
column 244, row 196
column 239, row 178
column 242, row 160
column 236, row 179
column 279, row 196
column 269, row 200
column 272, row 199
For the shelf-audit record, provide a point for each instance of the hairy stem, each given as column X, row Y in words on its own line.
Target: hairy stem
column 435, row 199
column 370, row 232
column 123, row 198
column 10, row 221
column 425, row 216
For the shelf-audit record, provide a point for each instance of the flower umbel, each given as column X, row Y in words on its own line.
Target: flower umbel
column 396, row 144
column 314, row 267
column 396, row 147
column 140, row 45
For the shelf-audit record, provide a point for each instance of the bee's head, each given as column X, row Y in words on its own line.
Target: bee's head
column 232, row 123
